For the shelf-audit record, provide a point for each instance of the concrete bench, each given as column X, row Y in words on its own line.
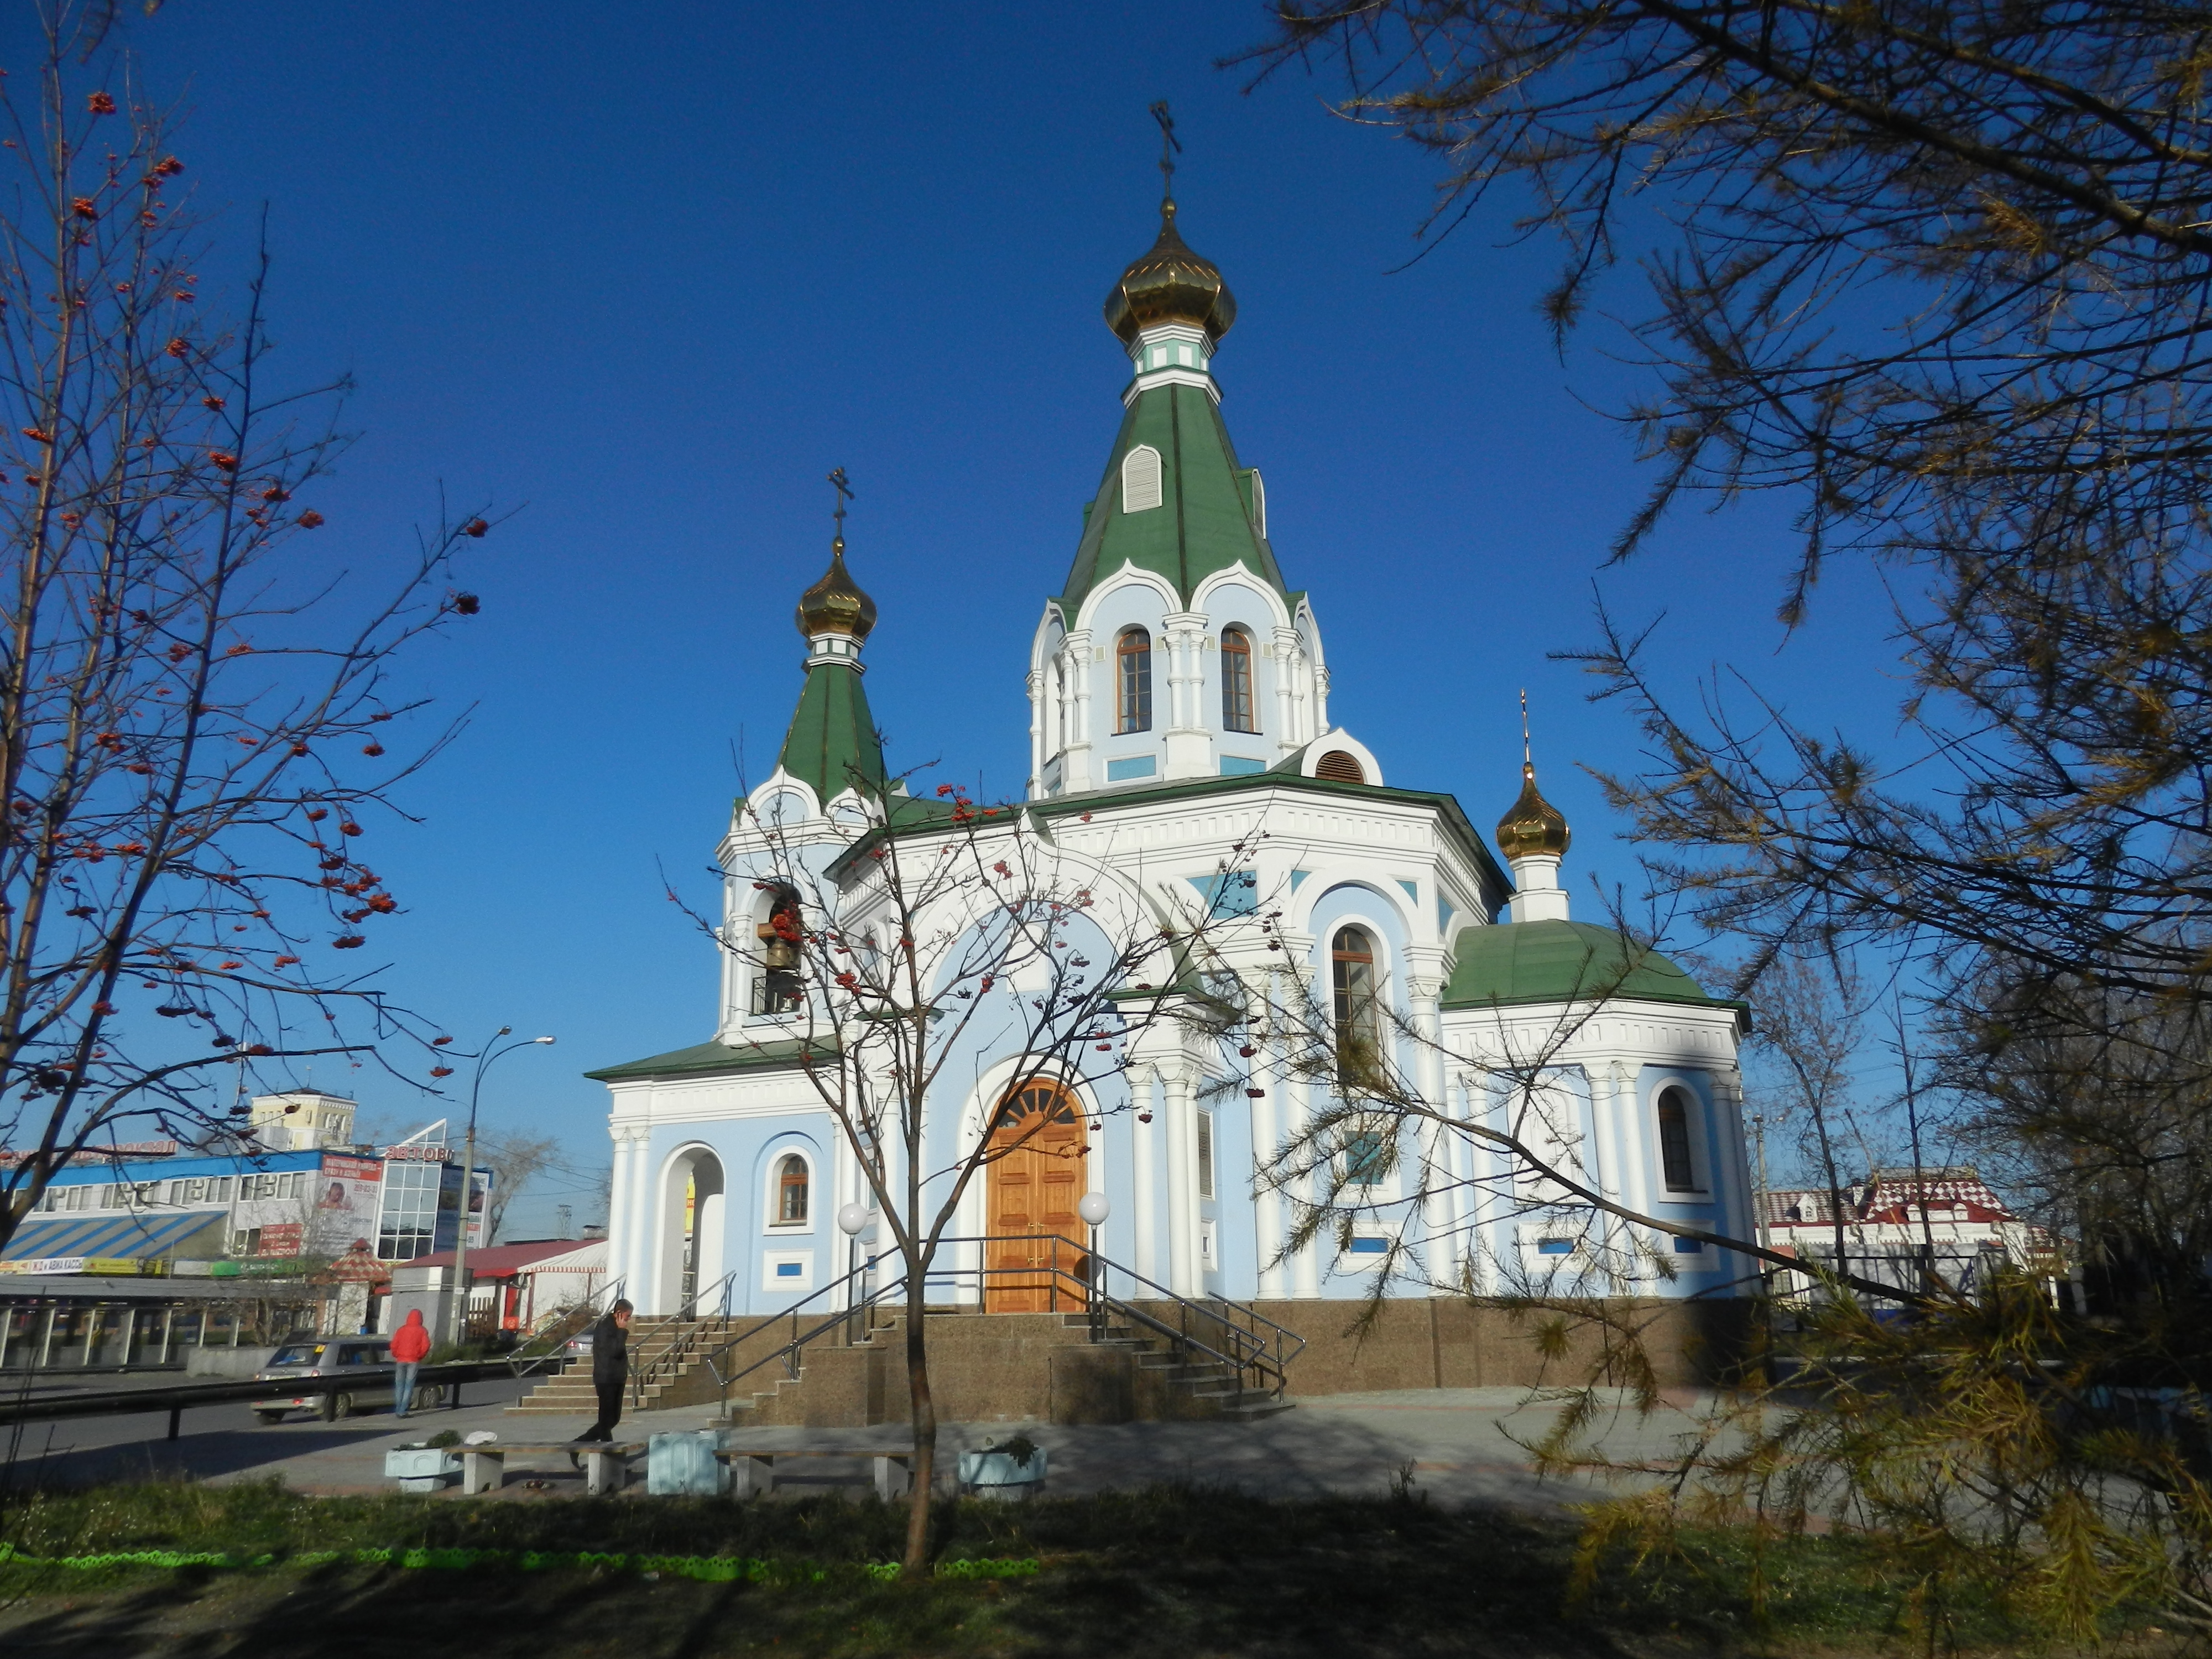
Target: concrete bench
column 606, row 1464
column 754, row 1471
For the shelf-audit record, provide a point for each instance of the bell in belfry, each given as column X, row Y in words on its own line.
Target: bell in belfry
column 781, row 955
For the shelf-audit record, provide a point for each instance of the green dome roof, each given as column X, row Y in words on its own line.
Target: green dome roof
column 1561, row 962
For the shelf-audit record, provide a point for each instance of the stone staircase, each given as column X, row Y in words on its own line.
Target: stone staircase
column 676, row 1382
column 1210, row 1386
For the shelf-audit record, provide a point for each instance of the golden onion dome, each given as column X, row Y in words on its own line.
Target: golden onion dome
column 1533, row 825
column 1170, row 284
column 835, row 605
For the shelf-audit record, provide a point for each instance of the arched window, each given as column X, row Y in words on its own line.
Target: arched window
column 1358, row 1010
column 1133, row 681
column 1140, row 479
column 1675, row 1163
column 791, row 1182
column 1237, row 681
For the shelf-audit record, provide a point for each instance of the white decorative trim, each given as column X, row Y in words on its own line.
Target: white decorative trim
column 1191, row 377
column 794, row 1283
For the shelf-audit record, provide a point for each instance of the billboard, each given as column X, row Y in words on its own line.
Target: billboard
column 344, row 1213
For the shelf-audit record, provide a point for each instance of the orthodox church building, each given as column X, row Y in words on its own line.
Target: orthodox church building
column 1178, row 694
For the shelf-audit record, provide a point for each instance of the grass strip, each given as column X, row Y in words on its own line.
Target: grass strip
column 708, row 1569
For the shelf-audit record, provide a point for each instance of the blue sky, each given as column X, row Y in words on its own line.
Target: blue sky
column 642, row 275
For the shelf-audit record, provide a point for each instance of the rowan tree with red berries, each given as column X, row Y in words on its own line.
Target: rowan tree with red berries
column 194, row 695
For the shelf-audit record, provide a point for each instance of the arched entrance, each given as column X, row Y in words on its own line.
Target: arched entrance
column 1032, row 1189
column 691, row 1256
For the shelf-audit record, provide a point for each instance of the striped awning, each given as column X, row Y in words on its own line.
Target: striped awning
column 49, row 1241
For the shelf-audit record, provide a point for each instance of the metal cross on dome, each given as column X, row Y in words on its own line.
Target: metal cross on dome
column 844, row 489
column 1170, row 146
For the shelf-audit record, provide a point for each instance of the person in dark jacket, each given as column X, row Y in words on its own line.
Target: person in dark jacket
column 610, row 1369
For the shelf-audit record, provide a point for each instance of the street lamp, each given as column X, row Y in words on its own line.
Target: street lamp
column 1094, row 1209
column 851, row 1220
column 491, row 1052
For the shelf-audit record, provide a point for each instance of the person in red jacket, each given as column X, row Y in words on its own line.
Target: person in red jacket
column 410, row 1346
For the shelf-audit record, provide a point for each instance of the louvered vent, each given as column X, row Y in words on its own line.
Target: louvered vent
column 1340, row 768
column 1140, row 479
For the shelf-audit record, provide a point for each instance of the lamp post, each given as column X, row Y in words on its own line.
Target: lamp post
column 851, row 1219
column 1094, row 1209
column 491, row 1052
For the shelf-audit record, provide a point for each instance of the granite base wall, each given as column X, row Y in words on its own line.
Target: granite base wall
column 1036, row 1368
column 1448, row 1343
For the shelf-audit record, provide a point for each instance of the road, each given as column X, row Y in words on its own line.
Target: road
column 215, row 1441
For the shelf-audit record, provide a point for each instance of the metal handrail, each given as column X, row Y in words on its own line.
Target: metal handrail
column 689, row 1308
column 682, row 1348
column 789, row 1350
column 563, row 1324
column 1281, row 1332
column 1242, row 1350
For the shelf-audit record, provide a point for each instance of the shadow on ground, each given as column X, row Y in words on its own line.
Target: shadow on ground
column 56, row 1462
column 1188, row 1574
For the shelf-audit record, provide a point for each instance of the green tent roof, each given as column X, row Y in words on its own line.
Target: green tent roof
column 1562, row 962
column 832, row 742
column 1204, row 522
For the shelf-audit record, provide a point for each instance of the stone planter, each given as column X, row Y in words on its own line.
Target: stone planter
column 423, row 1468
column 996, row 1474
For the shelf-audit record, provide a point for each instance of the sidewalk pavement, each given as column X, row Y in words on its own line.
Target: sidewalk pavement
column 1457, row 1446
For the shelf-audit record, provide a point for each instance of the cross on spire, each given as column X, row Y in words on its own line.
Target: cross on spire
column 1170, row 146
column 844, row 489
column 1528, row 754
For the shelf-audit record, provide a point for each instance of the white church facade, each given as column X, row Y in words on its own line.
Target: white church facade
column 1179, row 724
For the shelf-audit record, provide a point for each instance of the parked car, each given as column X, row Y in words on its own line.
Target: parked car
column 333, row 1356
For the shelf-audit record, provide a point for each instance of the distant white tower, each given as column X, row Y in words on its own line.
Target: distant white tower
column 303, row 1121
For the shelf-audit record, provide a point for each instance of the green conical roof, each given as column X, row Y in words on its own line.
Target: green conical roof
column 1206, row 520
column 1561, row 962
column 832, row 743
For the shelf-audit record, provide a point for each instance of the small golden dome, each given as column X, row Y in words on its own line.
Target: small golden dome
column 1533, row 825
column 835, row 605
column 1170, row 284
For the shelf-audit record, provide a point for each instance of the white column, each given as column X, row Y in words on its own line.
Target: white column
column 1636, row 1183
column 1145, row 1149
column 732, row 968
column 1475, row 1214
column 1442, row 1242
column 1305, row 1265
column 1076, row 654
column 1182, row 1186
column 618, row 1205
column 1282, row 653
column 1041, row 711
column 1189, row 745
column 1268, row 1074
column 1735, row 1217
column 644, row 1265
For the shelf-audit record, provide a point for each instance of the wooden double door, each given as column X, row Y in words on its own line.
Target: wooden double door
column 1035, row 1178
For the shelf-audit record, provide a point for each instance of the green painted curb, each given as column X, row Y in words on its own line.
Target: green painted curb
column 712, row 1569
